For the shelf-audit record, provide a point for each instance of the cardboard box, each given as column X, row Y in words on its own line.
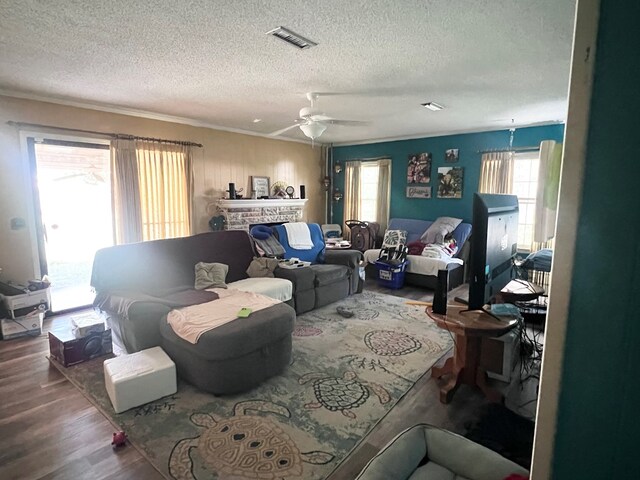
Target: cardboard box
column 22, row 326
column 19, row 303
column 83, row 325
column 69, row 350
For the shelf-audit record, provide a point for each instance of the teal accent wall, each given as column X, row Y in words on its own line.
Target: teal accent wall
column 598, row 429
column 468, row 145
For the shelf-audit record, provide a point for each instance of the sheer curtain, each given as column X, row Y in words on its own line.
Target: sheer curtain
column 547, row 193
column 384, row 192
column 351, row 191
column 152, row 190
column 496, row 175
column 125, row 192
column 366, row 194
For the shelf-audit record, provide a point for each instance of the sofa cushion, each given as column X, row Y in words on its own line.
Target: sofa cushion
column 211, row 275
column 277, row 288
column 327, row 274
column 440, row 229
column 301, row 278
column 433, row 471
column 157, row 266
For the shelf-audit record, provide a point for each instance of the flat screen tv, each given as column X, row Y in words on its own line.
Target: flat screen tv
column 494, row 245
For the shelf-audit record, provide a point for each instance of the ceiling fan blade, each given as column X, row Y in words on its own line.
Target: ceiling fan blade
column 67, row 177
column 320, row 117
column 353, row 123
column 282, row 130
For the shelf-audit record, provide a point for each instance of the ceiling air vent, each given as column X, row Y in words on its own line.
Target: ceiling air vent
column 291, row 38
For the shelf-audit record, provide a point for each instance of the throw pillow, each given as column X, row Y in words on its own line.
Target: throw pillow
column 440, row 229
column 262, row 267
column 415, row 248
column 211, row 275
column 394, row 238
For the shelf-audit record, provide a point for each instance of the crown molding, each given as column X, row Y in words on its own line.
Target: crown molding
column 141, row 113
column 444, row 134
column 197, row 123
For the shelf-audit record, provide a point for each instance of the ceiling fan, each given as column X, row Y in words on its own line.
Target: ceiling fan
column 313, row 122
column 92, row 176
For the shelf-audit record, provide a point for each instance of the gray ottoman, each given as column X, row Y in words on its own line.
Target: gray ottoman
column 237, row 356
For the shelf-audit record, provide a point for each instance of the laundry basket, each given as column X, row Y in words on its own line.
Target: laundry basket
column 390, row 275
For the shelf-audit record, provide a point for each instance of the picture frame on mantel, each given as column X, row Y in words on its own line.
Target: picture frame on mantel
column 261, row 185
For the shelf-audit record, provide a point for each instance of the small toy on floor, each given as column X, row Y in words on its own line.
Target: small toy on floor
column 346, row 313
column 119, row 439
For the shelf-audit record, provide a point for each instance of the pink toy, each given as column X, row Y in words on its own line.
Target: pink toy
column 119, row 439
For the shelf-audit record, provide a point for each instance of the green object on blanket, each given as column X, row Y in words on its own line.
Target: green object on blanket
column 244, row 312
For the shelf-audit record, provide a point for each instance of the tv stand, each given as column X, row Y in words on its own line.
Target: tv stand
column 464, row 367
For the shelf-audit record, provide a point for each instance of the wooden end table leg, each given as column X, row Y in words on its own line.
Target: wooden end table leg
column 493, row 395
column 455, row 366
column 446, row 369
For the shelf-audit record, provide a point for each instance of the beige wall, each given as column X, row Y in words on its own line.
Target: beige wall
column 226, row 157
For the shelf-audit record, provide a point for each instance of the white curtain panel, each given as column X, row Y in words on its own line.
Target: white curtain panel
column 548, row 188
column 496, row 175
column 152, row 190
column 384, row 192
column 351, row 192
column 125, row 192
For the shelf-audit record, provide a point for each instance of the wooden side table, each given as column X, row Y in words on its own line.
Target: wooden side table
column 464, row 367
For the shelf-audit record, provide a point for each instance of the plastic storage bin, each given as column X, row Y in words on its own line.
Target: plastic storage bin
column 391, row 276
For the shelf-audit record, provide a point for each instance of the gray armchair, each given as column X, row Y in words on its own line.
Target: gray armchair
column 424, row 452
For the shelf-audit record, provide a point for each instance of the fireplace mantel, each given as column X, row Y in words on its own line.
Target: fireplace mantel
column 242, row 213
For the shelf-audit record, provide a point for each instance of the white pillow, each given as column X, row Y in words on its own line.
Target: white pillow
column 393, row 238
column 440, row 229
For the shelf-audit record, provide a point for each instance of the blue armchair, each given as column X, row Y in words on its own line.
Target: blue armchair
column 315, row 255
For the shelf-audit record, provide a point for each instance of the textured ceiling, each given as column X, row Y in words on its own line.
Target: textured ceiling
column 487, row 62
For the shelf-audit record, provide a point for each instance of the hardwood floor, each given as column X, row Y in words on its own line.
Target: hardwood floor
column 49, row 430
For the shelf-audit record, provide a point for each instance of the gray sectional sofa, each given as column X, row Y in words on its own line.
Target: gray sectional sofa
column 138, row 284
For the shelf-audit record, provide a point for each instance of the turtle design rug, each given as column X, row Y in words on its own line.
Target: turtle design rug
column 346, row 374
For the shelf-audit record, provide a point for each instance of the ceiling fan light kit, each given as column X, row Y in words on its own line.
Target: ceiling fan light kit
column 313, row 122
column 313, row 129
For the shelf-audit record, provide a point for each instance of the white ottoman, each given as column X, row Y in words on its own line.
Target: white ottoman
column 139, row 378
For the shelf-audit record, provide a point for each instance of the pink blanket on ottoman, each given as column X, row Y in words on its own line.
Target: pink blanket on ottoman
column 190, row 323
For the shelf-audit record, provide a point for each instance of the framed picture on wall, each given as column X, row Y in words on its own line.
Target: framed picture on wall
column 418, row 192
column 451, row 155
column 260, row 185
column 419, row 168
column 450, row 180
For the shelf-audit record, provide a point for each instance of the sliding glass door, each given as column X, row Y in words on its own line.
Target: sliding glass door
column 72, row 193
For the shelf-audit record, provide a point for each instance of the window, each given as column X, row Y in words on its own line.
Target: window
column 367, row 186
column 525, row 186
column 369, row 192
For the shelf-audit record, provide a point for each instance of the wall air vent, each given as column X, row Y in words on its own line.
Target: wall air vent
column 291, row 38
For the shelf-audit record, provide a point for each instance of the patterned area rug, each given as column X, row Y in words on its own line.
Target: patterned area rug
column 345, row 376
